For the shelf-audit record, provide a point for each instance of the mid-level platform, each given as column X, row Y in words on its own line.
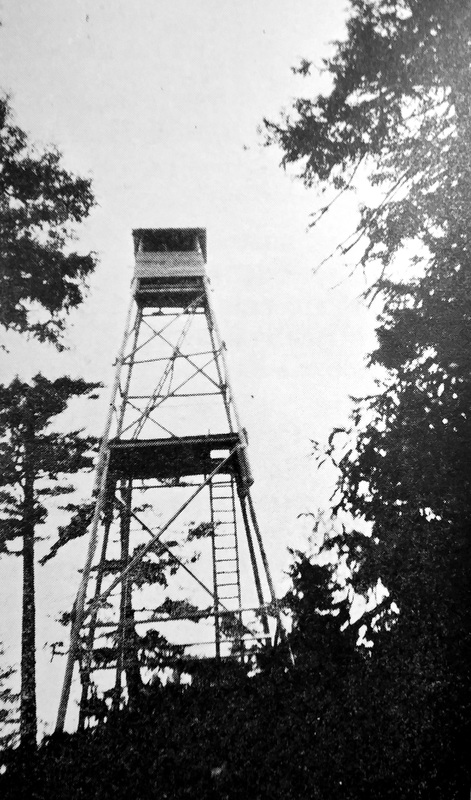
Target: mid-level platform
column 173, row 457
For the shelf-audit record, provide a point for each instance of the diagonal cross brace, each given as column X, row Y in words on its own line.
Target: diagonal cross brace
column 81, row 614
column 154, row 538
column 167, row 371
column 177, row 351
column 147, row 413
column 155, row 333
column 164, row 548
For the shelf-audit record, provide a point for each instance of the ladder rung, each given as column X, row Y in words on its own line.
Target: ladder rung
column 226, row 572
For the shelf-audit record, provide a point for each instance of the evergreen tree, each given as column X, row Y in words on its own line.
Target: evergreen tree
column 8, row 701
column 399, row 111
column 33, row 464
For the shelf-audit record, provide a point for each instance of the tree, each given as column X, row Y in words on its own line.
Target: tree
column 40, row 202
column 34, row 462
column 399, row 111
column 8, row 701
column 321, row 638
column 399, row 108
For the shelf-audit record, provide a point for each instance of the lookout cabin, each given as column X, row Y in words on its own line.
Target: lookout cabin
column 169, row 265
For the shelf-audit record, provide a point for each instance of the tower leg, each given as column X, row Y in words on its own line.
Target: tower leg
column 217, row 624
column 86, row 662
column 99, row 493
column 253, row 560
column 127, row 657
column 279, row 629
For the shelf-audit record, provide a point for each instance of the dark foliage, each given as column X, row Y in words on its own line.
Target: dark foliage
column 33, row 465
column 40, row 202
column 399, row 112
column 8, row 709
column 346, row 720
column 333, row 725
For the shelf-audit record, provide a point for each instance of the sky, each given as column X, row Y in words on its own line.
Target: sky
column 160, row 103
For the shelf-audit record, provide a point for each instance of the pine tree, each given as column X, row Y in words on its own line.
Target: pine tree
column 8, row 702
column 33, row 464
column 399, row 113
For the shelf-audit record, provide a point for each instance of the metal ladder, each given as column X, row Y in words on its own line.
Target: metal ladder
column 226, row 570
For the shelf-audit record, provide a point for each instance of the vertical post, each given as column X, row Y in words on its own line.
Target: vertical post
column 86, row 669
column 28, row 720
column 217, row 352
column 217, row 626
column 253, row 559
column 261, row 547
column 137, row 325
column 240, row 641
column 99, row 493
column 213, row 327
column 125, row 512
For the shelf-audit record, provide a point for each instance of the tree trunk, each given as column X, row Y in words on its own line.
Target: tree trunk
column 127, row 656
column 28, row 723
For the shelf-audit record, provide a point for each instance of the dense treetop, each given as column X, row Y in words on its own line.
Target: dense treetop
column 40, row 203
column 399, row 111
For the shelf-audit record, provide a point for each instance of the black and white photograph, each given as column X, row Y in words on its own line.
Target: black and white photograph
column 235, row 399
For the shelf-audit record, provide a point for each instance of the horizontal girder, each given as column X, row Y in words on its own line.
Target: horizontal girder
column 172, row 457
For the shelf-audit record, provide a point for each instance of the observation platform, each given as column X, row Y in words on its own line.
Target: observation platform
column 175, row 458
column 170, row 267
column 171, row 293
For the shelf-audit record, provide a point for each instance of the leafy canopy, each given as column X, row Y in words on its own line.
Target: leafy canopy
column 40, row 203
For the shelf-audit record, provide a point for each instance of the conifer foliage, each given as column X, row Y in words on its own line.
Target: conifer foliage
column 34, row 465
column 399, row 112
column 8, row 709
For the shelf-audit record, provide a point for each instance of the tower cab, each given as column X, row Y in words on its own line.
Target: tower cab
column 169, row 266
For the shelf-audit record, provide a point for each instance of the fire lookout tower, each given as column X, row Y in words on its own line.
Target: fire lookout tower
column 172, row 475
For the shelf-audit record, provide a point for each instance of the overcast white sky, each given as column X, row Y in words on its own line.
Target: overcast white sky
column 159, row 102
